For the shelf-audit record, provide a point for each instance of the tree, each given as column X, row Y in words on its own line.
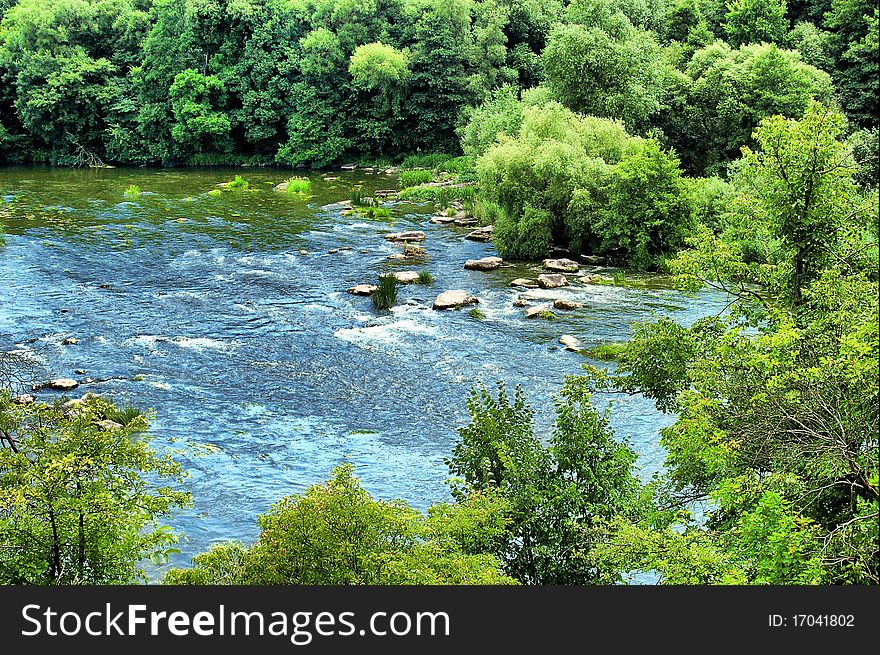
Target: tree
column 756, row 21
column 336, row 533
column 81, row 494
column 556, row 493
column 196, row 103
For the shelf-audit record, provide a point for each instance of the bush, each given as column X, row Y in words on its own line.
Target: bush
column 386, row 295
column 528, row 237
column 299, row 185
column 430, row 161
column 238, row 183
column 413, row 178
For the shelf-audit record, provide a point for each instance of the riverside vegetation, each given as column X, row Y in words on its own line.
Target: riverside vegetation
column 728, row 145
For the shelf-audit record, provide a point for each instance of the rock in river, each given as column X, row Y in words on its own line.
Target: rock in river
column 484, row 264
column 454, row 299
column 109, row 426
column 62, row 384
column 562, row 303
column 524, row 282
column 24, row 399
column 363, row 289
column 552, row 281
column 412, row 235
column 571, row 343
column 405, row 277
column 481, row 234
column 561, row 265
column 70, row 341
column 539, row 310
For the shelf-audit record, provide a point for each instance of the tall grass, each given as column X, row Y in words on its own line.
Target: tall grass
column 432, row 160
column 238, row 183
column 132, row 191
column 413, row 178
column 386, row 295
column 425, row 277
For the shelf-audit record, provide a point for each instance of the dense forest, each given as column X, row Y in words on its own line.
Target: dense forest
column 732, row 145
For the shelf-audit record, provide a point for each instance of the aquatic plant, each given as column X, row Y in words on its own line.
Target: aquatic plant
column 433, row 160
column 238, row 183
column 356, row 195
column 477, row 314
column 619, row 277
column 385, row 295
column 425, row 277
column 608, row 352
column 299, row 185
column 132, row 191
column 414, row 178
column 214, row 193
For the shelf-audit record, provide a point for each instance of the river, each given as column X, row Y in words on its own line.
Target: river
column 202, row 308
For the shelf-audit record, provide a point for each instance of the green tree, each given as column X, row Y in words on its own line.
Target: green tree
column 336, row 533
column 82, row 494
column 756, row 21
column 557, row 493
column 200, row 124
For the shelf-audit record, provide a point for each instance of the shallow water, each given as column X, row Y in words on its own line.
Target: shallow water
column 203, row 309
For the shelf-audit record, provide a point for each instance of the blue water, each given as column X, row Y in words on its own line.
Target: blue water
column 203, row 309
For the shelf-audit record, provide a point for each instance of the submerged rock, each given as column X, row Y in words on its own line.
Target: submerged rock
column 484, row 264
column 552, row 281
column 524, row 282
column 538, row 311
column 453, row 299
column 571, row 343
column 412, row 235
column 561, row 265
column 562, row 303
column 362, row 289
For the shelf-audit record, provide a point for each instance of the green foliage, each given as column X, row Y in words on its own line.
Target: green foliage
column 558, row 493
column 336, row 533
column 380, row 67
column 756, row 21
column 81, row 500
column 132, row 191
column 476, row 314
column 425, row 277
column 385, row 295
column 431, row 161
column 195, row 103
column 299, row 185
column 238, row 182
column 413, row 178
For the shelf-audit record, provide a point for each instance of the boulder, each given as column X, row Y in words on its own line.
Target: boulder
column 484, row 264
column 332, row 251
column 80, row 371
column 465, row 222
column 62, row 384
column 552, row 281
column 561, row 265
column 303, row 252
column 363, row 289
column 538, row 310
column 442, row 219
column 562, row 303
column 571, row 343
column 23, row 399
column 412, row 235
column 405, row 277
column 413, row 251
column 70, row 341
column 283, row 186
column 520, row 302
column 454, row 299
column 481, row 234
column 590, row 279
column 109, row 426
column 397, row 255
column 524, row 282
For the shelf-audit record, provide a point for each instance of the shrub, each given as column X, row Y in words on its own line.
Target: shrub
column 132, row 191
column 413, row 178
column 238, row 183
column 425, row 277
column 386, row 295
column 299, row 185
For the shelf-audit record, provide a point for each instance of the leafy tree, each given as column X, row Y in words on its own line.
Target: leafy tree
column 81, row 494
column 756, row 21
column 336, row 533
column 556, row 493
column 196, row 102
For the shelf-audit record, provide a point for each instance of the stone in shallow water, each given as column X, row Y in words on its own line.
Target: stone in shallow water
column 524, row 282
column 62, row 384
column 571, row 343
column 552, row 281
column 405, row 277
column 562, row 303
column 362, row 289
column 412, row 235
column 538, row 311
column 484, row 264
column 70, row 341
column 24, row 399
column 561, row 265
column 453, row 299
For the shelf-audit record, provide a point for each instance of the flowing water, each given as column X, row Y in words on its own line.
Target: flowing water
column 203, row 308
